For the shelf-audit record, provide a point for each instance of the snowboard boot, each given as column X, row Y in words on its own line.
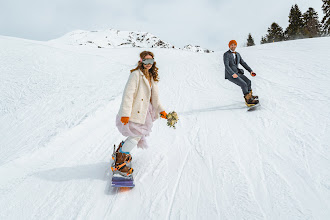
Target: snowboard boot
column 249, row 101
column 121, row 162
column 254, row 97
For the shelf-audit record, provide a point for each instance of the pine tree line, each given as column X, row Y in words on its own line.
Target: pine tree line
column 306, row 25
column 326, row 18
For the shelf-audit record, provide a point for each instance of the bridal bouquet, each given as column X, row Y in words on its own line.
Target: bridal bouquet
column 172, row 119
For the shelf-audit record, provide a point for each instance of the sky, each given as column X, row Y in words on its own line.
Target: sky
column 207, row 23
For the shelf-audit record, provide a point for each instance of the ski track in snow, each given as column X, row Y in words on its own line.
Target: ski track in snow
column 57, row 116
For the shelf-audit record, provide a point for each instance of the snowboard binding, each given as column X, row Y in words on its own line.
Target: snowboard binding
column 121, row 162
column 249, row 100
column 254, row 96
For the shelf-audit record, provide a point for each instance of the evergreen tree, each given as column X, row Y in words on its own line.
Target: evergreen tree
column 250, row 41
column 296, row 24
column 263, row 40
column 275, row 34
column 326, row 18
column 312, row 26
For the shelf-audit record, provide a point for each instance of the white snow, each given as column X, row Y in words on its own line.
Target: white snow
column 197, row 49
column 112, row 38
column 57, row 125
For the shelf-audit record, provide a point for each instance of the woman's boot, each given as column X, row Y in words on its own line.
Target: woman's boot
column 121, row 162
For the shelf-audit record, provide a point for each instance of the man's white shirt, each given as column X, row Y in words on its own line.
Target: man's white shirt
column 233, row 54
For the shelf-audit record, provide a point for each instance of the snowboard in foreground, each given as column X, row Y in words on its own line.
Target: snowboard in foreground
column 121, row 181
column 253, row 107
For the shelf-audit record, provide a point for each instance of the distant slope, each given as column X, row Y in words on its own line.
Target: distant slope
column 58, row 107
column 112, row 38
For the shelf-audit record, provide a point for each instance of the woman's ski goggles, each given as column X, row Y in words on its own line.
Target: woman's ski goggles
column 148, row 61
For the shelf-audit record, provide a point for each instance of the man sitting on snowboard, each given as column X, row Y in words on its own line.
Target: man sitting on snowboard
column 235, row 75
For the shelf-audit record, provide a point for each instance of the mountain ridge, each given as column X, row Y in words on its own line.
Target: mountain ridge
column 112, row 38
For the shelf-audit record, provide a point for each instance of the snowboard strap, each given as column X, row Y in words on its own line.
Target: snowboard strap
column 123, row 164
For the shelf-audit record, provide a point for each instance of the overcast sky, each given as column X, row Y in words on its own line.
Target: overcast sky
column 208, row 23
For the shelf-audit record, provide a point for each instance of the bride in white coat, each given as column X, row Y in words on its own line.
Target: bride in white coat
column 140, row 105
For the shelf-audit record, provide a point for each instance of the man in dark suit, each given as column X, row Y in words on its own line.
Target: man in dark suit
column 235, row 75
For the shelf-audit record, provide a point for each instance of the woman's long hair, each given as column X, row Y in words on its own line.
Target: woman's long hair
column 153, row 70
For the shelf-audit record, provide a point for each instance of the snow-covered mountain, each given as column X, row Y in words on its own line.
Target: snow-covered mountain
column 112, row 38
column 57, row 130
column 198, row 49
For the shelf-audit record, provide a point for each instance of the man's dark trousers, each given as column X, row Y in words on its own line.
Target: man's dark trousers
column 243, row 82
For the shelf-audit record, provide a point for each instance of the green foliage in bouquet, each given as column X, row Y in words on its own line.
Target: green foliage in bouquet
column 172, row 119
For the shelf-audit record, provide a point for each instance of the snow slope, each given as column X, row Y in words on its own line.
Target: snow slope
column 112, row 38
column 57, row 110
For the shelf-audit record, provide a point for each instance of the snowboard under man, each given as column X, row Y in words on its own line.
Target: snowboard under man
column 235, row 75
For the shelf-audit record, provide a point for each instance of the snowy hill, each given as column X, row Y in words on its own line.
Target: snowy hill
column 57, row 126
column 112, row 38
column 198, row 49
